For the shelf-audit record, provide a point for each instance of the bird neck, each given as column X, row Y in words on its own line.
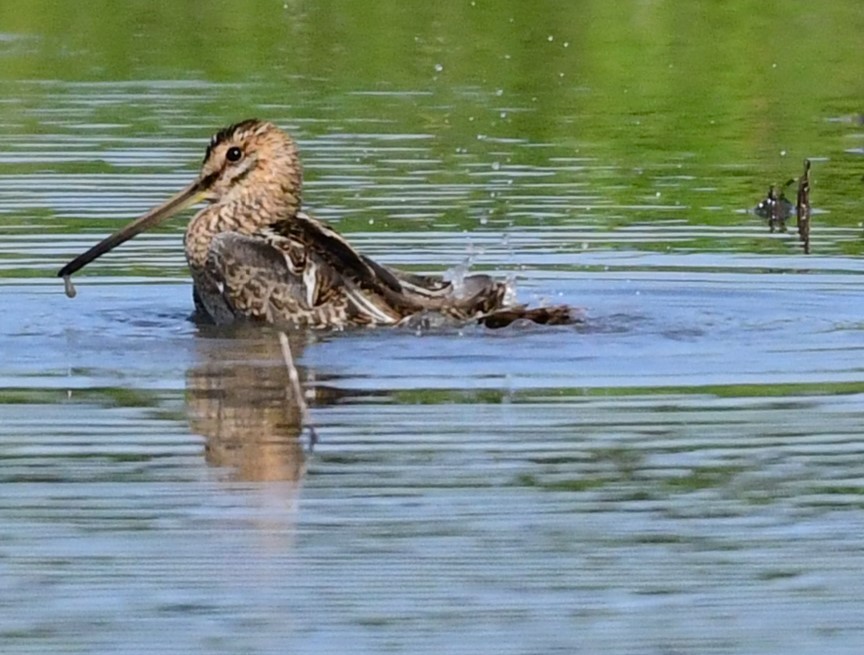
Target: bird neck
column 241, row 213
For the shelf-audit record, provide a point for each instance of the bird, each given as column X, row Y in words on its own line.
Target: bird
column 255, row 255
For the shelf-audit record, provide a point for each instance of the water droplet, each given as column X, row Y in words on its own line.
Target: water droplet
column 456, row 276
column 68, row 286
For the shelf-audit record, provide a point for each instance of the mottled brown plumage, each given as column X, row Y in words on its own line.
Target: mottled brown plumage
column 255, row 255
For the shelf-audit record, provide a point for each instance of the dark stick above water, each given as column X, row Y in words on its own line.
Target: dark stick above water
column 802, row 207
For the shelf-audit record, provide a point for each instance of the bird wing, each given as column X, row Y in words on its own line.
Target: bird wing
column 332, row 248
column 275, row 278
column 301, row 271
column 406, row 292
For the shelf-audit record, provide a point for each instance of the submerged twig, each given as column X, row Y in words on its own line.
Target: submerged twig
column 802, row 207
column 297, row 390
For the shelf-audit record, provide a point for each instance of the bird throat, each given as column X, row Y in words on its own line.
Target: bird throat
column 245, row 215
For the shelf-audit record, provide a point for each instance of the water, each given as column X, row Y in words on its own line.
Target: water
column 681, row 473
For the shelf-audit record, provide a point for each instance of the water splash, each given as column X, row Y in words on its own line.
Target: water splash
column 510, row 295
column 456, row 275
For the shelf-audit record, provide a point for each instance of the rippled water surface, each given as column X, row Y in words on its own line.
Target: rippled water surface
column 681, row 473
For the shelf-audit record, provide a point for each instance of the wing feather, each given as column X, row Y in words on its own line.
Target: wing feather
column 336, row 251
column 276, row 279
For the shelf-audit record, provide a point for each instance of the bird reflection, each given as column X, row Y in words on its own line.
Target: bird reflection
column 240, row 398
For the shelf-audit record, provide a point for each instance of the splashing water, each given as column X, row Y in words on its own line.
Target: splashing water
column 510, row 295
column 456, row 275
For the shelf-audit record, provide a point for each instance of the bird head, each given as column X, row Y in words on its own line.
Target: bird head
column 253, row 163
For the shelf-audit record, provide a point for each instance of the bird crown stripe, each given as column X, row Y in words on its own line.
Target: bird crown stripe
column 228, row 133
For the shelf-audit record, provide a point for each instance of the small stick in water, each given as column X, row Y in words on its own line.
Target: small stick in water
column 802, row 207
column 777, row 220
column 297, row 390
column 70, row 288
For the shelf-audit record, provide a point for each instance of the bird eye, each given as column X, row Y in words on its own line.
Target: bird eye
column 234, row 154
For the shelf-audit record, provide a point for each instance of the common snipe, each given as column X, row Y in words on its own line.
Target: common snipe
column 255, row 255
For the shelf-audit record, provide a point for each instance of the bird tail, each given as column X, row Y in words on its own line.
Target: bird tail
column 555, row 315
column 477, row 297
